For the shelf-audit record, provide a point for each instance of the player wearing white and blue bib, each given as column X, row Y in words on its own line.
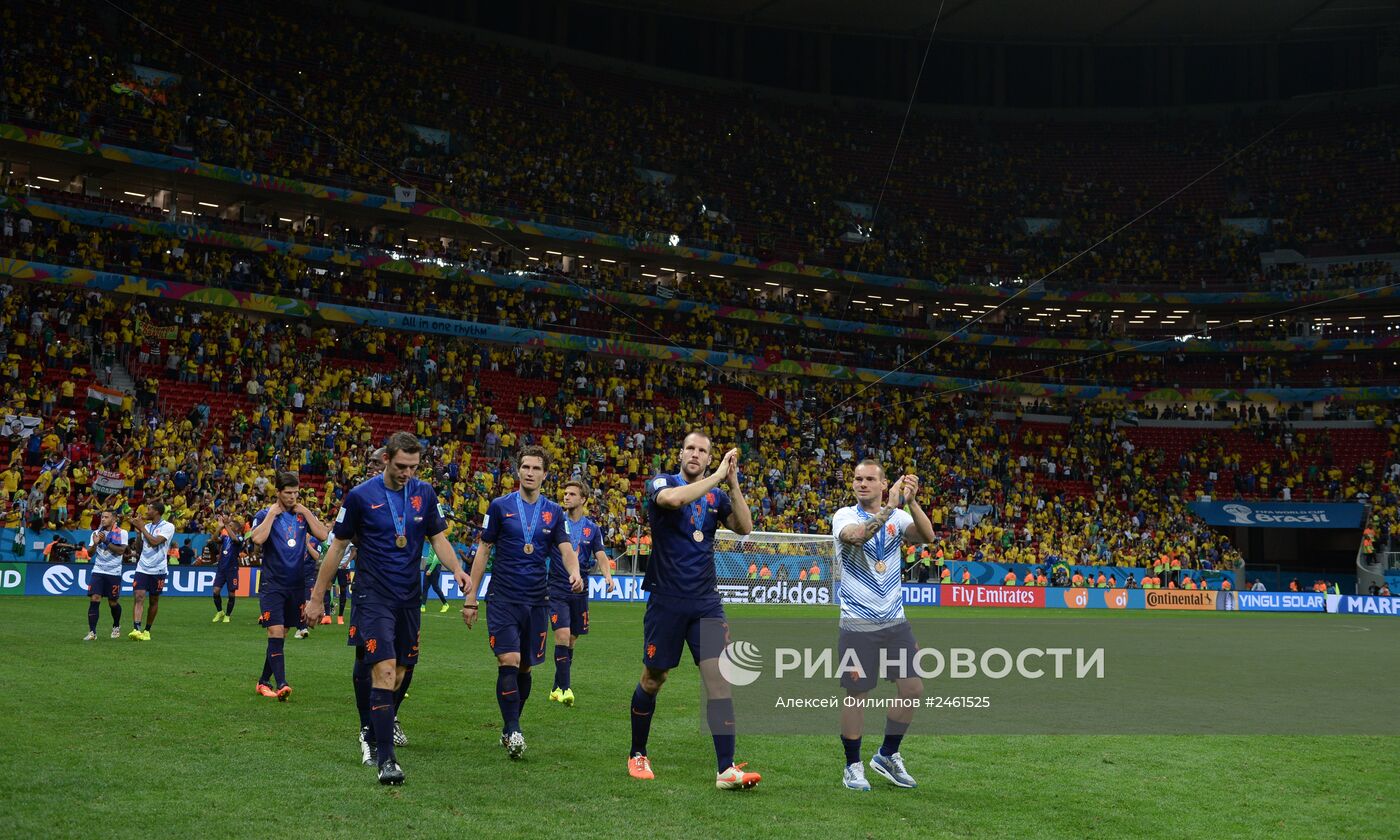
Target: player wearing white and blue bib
column 151, row 568
column 525, row 529
column 568, row 610
column 870, row 539
column 107, row 545
column 684, row 608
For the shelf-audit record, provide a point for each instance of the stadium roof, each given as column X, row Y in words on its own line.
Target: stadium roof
column 1037, row 20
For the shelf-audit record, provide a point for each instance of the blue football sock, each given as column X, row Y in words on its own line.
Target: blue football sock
column 116, row 613
column 92, row 616
column 508, row 697
column 276, row 661
column 402, row 691
column 523, row 681
column 894, row 733
column 360, row 677
column 720, row 714
column 852, row 746
column 563, row 659
column 381, row 713
column 643, row 707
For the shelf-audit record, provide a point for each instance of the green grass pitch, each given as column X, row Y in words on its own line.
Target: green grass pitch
column 167, row 739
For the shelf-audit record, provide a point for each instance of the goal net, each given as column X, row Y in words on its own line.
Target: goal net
column 768, row 567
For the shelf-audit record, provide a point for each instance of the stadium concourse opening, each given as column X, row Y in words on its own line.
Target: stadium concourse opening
column 1080, row 321
column 1293, row 546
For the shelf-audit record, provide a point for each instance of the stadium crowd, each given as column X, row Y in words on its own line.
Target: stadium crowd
column 224, row 399
column 169, row 258
column 453, row 257
column 560, row 142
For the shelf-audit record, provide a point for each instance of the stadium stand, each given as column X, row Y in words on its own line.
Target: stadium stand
column 219, row 399
column 316, row 401
column 272, row 273
column 533, row 153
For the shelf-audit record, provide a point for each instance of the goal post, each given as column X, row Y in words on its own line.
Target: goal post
column 771, row 567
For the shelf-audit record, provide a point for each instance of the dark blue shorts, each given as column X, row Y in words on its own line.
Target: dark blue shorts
column 280, row 607
column 895, row 643
column 672, row 623
column 153, row 584
column 518, row 628
column 227, row 575
column 108, row 586
column 569, row 611
column 385, row 631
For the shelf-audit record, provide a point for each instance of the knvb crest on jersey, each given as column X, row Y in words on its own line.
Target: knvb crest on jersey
column 547, row 517
column 889, row 528
column 587, row 532
column 417, row 502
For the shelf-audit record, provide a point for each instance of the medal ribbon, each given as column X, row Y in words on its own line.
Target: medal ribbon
column 879, row 536
column 699, row 510
column 292, row 530
column 576, row 536
column 576, row 539
column 527, row 527
column 399, row 516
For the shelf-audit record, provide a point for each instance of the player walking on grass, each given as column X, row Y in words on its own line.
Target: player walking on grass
column 568, row 610
column 870, row 537
column 387, row 517
column 151, row 568
column 525, row 528
column 684, row 608
column 315, row 553
column 230, row 547
column 361, row 672
column 281, row 530
column 342, row 583
column 107, row 544
column 430, row 579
